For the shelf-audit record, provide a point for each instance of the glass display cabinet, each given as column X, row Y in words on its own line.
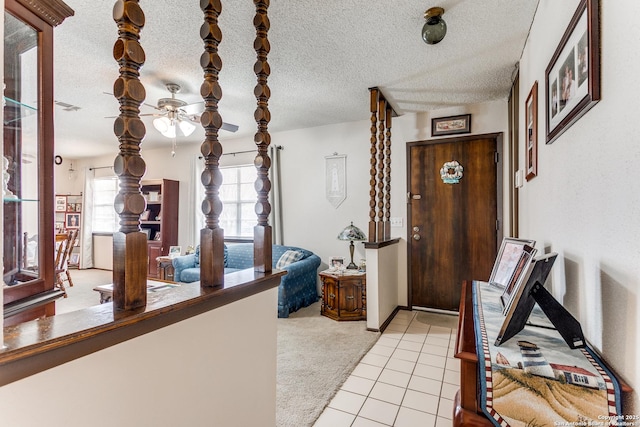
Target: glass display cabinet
column 27, row 163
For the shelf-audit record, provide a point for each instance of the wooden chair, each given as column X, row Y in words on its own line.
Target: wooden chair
column 64, row 245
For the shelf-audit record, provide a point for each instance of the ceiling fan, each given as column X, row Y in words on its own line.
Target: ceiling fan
column 175, row 116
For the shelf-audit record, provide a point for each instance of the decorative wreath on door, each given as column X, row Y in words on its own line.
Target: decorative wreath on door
column 451, row 172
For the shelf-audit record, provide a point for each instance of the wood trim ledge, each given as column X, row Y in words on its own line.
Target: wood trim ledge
column 382, row 244
column 42, row 344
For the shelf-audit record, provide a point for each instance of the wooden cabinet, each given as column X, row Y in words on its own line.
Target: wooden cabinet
column 28, row 147
column 344, row 295
column 160, row 219
column 165, row 268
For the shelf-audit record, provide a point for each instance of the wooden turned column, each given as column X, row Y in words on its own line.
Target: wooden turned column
column 130, row 263
column 262, row 239
column 212, row 236
column 387, row 176
column 382, row 106
column 380, row 170
column 372, row 170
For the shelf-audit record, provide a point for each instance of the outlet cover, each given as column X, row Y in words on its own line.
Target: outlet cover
column 396, row 222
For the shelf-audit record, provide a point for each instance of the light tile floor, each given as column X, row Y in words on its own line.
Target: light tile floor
column 408, row 378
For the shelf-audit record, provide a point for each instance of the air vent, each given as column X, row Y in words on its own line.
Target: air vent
column 66, row 107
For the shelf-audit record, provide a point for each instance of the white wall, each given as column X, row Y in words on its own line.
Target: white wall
column 218, row 368
column 585, row 200
column 310, row 221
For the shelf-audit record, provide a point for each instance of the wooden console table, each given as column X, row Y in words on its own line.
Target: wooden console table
column 468, row 408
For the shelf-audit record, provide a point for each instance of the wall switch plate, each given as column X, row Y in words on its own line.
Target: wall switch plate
column 396, row 222
column 519, row 178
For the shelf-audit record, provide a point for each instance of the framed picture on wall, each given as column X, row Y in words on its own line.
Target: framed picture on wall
column 531, row 129
column 61, row 203
column 451, row 125
column 572, row 78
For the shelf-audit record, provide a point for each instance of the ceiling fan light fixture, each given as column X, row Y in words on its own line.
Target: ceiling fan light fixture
column 435, row 28
column 162, row 125
column 186, row 127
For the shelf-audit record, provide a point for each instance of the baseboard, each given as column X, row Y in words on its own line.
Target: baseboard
column 389, row 319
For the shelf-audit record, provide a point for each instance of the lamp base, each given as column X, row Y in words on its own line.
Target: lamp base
column 352, row 266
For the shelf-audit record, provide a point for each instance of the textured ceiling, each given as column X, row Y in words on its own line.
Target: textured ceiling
column 324, row 56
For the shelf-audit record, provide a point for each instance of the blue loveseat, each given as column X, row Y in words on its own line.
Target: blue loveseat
column 297, row 288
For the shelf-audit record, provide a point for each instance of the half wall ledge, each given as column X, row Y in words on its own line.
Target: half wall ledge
column 38, row 345
column 382, row 244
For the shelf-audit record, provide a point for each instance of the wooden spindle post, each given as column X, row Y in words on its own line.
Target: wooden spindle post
column 387, row 176
column 130, row 263
column 380, row 181
column 373, row 92
column 262, row 238
column 212, row 236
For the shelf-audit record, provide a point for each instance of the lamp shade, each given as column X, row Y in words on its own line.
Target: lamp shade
column 351, row 232
column 167, row 126
column 186, row 127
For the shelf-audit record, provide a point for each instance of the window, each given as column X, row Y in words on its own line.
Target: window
column 104, row 218
column 239, row 197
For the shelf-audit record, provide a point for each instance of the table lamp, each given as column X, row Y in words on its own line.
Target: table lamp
column 351, row 233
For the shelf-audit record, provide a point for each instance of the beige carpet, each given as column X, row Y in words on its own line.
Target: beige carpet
column 315, row 356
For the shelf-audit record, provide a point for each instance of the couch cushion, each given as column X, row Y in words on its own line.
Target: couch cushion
column 288, row 257
column 226, row 252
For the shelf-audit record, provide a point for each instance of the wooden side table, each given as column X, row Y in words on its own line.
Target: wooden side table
column 165, row 268
column 344, row 296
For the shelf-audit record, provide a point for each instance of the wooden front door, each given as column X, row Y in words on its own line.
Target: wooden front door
column 453, row 226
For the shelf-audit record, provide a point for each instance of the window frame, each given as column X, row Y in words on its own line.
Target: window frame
column 238, row 202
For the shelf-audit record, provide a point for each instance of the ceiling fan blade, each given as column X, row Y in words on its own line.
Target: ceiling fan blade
column 193, row 108
column 229, row 127
column 195, row 118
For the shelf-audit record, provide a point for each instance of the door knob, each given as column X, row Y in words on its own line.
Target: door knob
column 416, row 236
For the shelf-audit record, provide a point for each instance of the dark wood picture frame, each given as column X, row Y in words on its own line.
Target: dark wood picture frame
column 522, row 302
column 572, row 78
column 451, row 125
column 517, row 278
column 531, row 129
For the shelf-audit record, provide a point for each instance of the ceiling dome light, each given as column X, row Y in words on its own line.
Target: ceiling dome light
column 435, row 28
